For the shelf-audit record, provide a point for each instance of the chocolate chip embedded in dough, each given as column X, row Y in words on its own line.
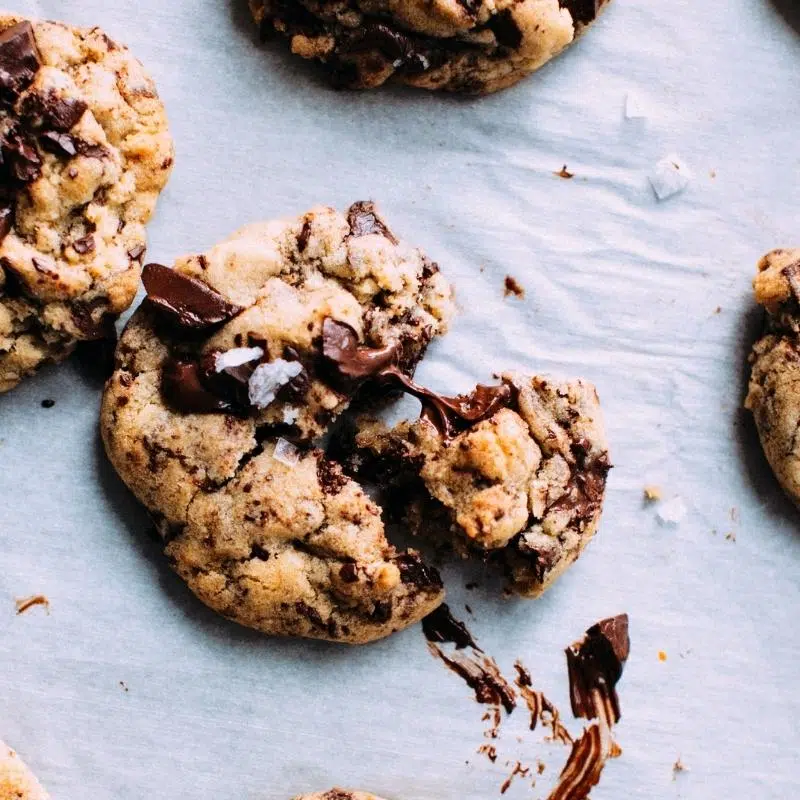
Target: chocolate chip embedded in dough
column 19, row 59
column 364, row 220
column 50, row 111
column 183, row 389
column 340, row 346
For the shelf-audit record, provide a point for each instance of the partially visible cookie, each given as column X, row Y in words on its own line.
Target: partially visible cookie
column 774, row 391
column 517, row 473
column 85, row 152
column 339, row 794
column 471, row 46
column 225, row 380
column 17, row 782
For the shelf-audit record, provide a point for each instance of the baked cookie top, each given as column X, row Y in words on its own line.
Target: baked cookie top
column 516, row 472
column 225, row 379
column 85, row 152
column 772, row 395
column 17, row 782
column 472, row 46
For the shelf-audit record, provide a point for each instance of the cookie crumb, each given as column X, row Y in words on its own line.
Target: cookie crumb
column 678, row 767
column 25, row 603
column 712, row 173
column 48, row 403
column 672, row 512
column 730, row 537
column 564, row 173
column 123, row 686
column 540, row 767
column 718, row 310
column 513, row 287
column 662, row 656
column 652, row 494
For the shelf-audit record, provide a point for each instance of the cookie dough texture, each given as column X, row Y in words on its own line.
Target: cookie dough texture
column 339, row 794
column 774, row 390
column 524, row 487
column 471, row 46
column 86, row 151
column 284, row 545
column 16, row 780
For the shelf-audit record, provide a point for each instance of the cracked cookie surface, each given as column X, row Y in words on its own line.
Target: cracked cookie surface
column 524, row 486
column 221, row 388
column 17, row 782
column 85, row 153
column 471, row 46
column 774, row 391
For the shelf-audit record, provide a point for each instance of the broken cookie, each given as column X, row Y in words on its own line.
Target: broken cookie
column 223, row 383
column 84, row 153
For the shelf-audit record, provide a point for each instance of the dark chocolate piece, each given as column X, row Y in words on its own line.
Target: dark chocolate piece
column 595, row 666
column 84, row 245
column 340, row 346
column 441, row 626
column 583, row 11
column 20, row 158
column 19, row 60
column 362, row 217
column 415, row 572
column 186, row 301
column 52, row 112
column 505, row 30
column 183, row 389
column 60, row 144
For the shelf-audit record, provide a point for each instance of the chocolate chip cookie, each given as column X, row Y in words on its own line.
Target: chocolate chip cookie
column 17, row 782
column 471, row 46
column 336, row 794
column 773, row 394
column 85, row 151
column 515, row 473
column 225, row 379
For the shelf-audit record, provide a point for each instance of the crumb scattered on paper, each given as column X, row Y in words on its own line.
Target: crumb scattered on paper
column 634, row 107
column 490, row 751
column 718, row 310
column 652, row 494
column 670, row 177
column 564, row 173
column 730, row 537
column 518, row 770
column 513, row 287
column 662, row 656
column 734, row 512
column 123, row 686
column 48, row 403
column 25, row 603
column 712, row 173
column 677, row 768
column 672, row 512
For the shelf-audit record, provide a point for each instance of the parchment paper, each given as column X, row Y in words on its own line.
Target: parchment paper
column 131, row 689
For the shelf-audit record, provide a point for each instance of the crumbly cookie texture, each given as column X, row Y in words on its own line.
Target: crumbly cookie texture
column 85, row 152
column 259, row 523
column 339, row 794
column 773, row 395
column 524, row 486
column 471, row 46
column 17, row 782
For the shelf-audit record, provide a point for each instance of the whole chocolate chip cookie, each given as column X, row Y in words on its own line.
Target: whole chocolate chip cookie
column 84, row 152
column 514, row 472
column 225, row 379
column 336, row 794
column 17, row 782
column 472, row 46
column 773, row 395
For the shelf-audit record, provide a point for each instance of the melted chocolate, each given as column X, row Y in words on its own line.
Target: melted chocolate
column 441, row 626
column 183, row 388
column 340, row 346
column 185, row 301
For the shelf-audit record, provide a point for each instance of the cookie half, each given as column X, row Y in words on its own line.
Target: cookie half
column 514, row 473
column 225, row 381
column 773, row 394
column 85, row 152
column 471, row 46
column 17, row 782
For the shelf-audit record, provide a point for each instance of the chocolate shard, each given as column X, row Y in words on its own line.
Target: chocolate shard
column 21, row 158
column 595, row 666
column 60, row 144
column 19, row 59
column 186, row 301
column 183, row 389
column 441, row 626
column 340, row 347
column 364, row 220
column 52, row 112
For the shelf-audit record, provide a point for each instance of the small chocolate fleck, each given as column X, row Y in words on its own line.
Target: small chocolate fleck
column 513, row 287
column 186, row 301
column 48, row 403
column 364, row 220
column 305, row 233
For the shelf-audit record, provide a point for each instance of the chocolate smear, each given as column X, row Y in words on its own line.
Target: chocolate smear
column 19, row 60
column 362, row 217
column 451, row 415
column 441, row 626
column 340, row 346
column 584, row 766
column 595, row 666
column 183, row 389
column 186, row 301
column 540, row 708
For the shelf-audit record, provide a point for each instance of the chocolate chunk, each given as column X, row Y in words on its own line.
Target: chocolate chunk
column 19, row 60
column 20, row 158
column 415, row 572
column 186, row 301
column 340, row 346
column 364, row 220
column 441, row 626
column 60, row 144
column 583, row 11
column 305, row 233
column 595, row 666
column 51, row 111
column 183, row 389
column 136, row 252
column 382, row 611
column 349, row 573
column 505, row 29
column 84, row 245
column 6, row 220
column 311, row 614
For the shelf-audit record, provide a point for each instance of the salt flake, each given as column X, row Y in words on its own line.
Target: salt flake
column 286, row 453
column 670, row 177
column 267, row 380
column 634, row 107
column 236, row 357
column 672, row 512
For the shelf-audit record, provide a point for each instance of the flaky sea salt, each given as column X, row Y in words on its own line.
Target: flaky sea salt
column 286, row 453
column 267, row 380
column 290, row 415
column 236, row 357
column 672, row 511
column 670, row 177
column 634, row 107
